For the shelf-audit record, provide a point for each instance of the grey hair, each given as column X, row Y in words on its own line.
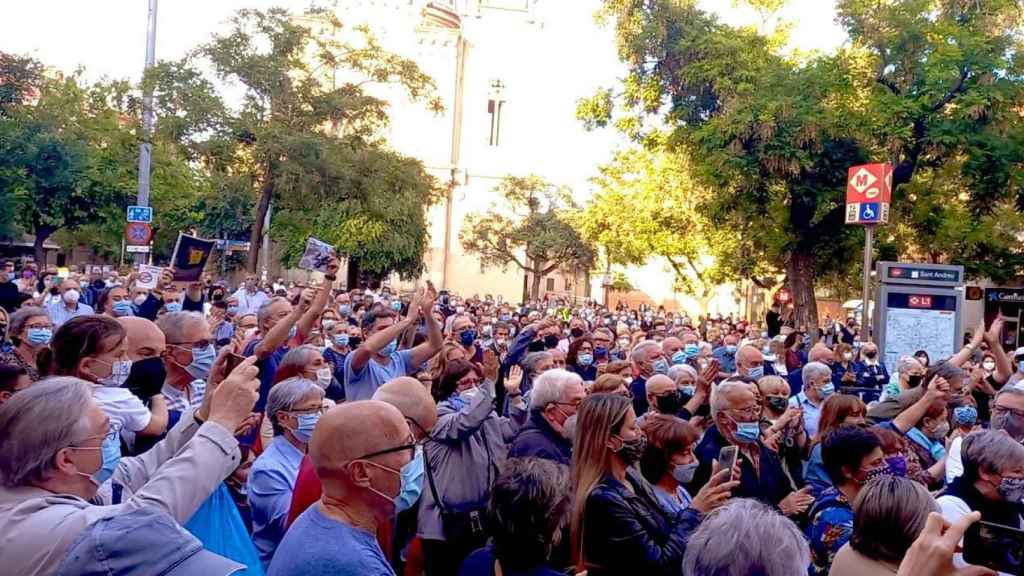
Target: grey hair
column 905, row 363
column 264, row 311
column 1010, row 391
column 534, row 358
column 762, row 542
column 16, row 323
column 297, row 358
column 814, row 370
column 38, row 422
column 286, row 394
column 719, row 394
column 990, row 451
column 550, row 387
column 604, row 331
column 947, row 371
column 639, row 353
column 678, row 370
column 175, row 324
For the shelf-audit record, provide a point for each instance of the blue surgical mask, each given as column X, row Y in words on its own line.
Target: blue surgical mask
column 688, row 391
column 679, row 357
column 345, row 310
column 173, row 306
column 756, row 372
column 683, row 473
column 341, row 340
column 1020, row 366
column 412, row 482
column 307, row 423
column 396, row 305
column 39, row 336
column 202, row 362
column 467, row 337
column 585, row 359
column 826, row 390
column 660, row 366
column 730, row 348
column 747, row 432
column 390, row 348
column 111, row 453
column 123, row 308
column 965, row 415
column 691, row 350
column 233, row 310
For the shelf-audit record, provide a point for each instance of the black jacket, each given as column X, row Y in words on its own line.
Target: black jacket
column 770, row 487
column 537, row 439
column 628, row 533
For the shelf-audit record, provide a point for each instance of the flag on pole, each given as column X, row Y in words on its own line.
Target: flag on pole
column 190, row 256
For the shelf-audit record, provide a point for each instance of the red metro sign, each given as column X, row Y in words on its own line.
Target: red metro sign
column 868, row 194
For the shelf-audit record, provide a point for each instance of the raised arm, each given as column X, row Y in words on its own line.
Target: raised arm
column 909, row 418
column 278, row 335
column 319, row 301
column 361, row 356
column 1004, row 367
column 967, row 351
column 425, row 304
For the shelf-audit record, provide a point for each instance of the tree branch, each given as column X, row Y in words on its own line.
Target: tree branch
column 953, row 93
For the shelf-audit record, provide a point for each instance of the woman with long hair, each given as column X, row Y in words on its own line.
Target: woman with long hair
column 838, row 409
column 618, row 524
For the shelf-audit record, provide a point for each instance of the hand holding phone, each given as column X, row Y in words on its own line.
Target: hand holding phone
column 727, row 459
column 995, row 546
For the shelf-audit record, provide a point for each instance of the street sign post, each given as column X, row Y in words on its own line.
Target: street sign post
column 137, row 236
column 868, row 194
column 142, row 214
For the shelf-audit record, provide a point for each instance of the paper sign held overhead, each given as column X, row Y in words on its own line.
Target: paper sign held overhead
column 149, row 276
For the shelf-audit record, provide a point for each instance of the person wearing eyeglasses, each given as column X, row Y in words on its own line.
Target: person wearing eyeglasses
column 294, row 408
column 553, row 402
column 463, row 458
column 364, row 478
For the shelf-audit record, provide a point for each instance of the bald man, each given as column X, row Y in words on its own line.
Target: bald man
column 417, row 407
column 821, row 353
column 359, row 450
column 146, row 343
column 673, row 349
column 663, row 397
column 750, row 362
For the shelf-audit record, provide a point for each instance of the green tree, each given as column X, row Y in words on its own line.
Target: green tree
column 307, row 135
column 531, row 228
column 923, row 82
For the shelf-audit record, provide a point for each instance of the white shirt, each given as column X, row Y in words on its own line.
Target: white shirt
column 954, row 463
column 123, row 408
column 249, row 303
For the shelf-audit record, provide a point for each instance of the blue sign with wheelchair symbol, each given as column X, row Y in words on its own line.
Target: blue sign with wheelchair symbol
column 870, row 212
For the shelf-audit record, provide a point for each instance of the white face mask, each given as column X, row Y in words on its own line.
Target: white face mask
column 324, row 376
column 72, row 296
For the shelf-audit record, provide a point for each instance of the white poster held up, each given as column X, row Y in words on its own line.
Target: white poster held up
column 317, row 255
column 149, row 276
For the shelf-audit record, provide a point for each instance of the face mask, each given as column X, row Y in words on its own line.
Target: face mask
column 747, row 432
column 345, row 309
column 730, row 348
column 145, row 373
column 914, row 380
column 1012, row 489
column 412, row 483
column 119, row 372
column 396, row 305
column 1020, row 366
column 668, row 403
column 390, row 348
column 354, row 341
column 939, row 432
column 1013, row 425
column 988, row 366
column 172, row 307
column 965, row 415
column 897, row 465
column 660, row 366
column 328, row 324
column 500, row 342
column 679, row 358
column 826, row 390
column 777, row 403
column 687, row 391
column 72, row 296
column 550, row 341
column 585, row 359
column 576, row 332
column 324, row 377
column 632, row 450
column 691, row 350
column 870, row 354
column 756, row 372
column 39, row 336
column 467, row 337
column 139, row 300
column 111, row 453
column 882, row 470
column 341, row 340
column 202, row 362
column 847, row 356
column 307, row 423
column 683, row 473
column 123, row 308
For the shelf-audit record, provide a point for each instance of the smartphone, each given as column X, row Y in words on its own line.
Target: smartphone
column 232, row 361
column 727, row 459
column 995, row 546
column 443, row 298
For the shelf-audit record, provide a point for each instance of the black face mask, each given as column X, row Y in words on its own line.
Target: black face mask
column 354, row 342
column 551, row 341
column 536, row 346
column 669, row 403
column 576, row 332
column 146, row 378
column 914, row 380
column 870, row 354
column 777, row 403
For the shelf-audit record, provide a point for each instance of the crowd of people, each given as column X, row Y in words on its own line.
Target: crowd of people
column 303, row 429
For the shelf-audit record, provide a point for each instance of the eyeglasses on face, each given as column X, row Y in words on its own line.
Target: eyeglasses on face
column 409, row 445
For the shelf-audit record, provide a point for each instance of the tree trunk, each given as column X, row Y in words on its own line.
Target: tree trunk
column 42, row 233
column 800, row 269
column 256, row 240
column 535, row 284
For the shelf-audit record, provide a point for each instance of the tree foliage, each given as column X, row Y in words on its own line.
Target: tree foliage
column 932, row 85
column 531, row 228
column 307, row 134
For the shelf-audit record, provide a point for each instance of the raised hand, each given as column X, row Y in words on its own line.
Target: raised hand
column 231, row 402
column 490, row 365
column 932, row 552
column 514, row 379
column 717, row 491
column 797, row 502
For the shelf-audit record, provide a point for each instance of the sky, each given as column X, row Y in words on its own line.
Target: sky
column 107, row 38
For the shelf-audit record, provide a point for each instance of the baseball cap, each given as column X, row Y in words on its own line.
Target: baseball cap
column 145, row 542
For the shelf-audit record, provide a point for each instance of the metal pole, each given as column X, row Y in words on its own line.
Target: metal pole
column 147, row 117
column 865, row 301
column 265, row 251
